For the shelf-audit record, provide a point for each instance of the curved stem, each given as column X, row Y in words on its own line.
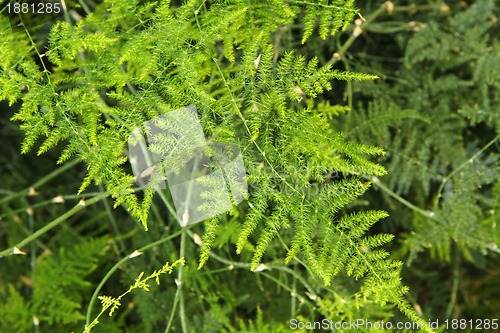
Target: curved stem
column 172, row 314
column 457, row 169
column 124, row 260
column 405, row 202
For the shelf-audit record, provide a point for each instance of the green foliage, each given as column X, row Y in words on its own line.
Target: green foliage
column 332, row 15
column 59, row 283
column 435, row 112
column 442, row 92
column 56, row 299
column 15, row 311
column 112, row 304
column 423, row 129
column 66, row 104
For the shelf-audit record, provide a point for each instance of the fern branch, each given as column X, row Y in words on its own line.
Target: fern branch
column 121, row 262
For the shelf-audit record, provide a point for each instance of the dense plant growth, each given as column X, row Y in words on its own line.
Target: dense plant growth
column 369, row 138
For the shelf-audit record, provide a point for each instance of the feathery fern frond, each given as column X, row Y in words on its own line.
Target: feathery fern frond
column 219, row 57
column 333, row 17
column 16, row 312
column 111, row 304
column 57, row 300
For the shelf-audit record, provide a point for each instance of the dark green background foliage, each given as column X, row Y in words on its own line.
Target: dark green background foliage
column 370, row 142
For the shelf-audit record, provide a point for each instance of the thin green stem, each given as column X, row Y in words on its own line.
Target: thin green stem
column 419, row 210
column 372, row 17
column 50, row 202
column 172, row 314
column 121, row 262
column 343, row 49
column 114, row 225
column 457, row 169
column 167, row 204
column 53, row 224
column 350, row 98
column 42, row 181
column 247, row 265
column 85, row 7
column 32, row 259
column 454, row 287
column 286, row 287
column 180, row 287
column 240, row 115
column 179, row 295
column 293, row 305
column 405, row 202
column 26, row 230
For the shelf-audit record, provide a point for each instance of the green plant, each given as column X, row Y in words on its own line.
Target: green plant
column 112, row 303
column 435, row 112
column 304, row 238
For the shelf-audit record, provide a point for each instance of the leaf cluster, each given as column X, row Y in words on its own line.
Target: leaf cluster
column 301, row 238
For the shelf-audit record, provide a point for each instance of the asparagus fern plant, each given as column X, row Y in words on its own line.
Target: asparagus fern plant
column 104, row 69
